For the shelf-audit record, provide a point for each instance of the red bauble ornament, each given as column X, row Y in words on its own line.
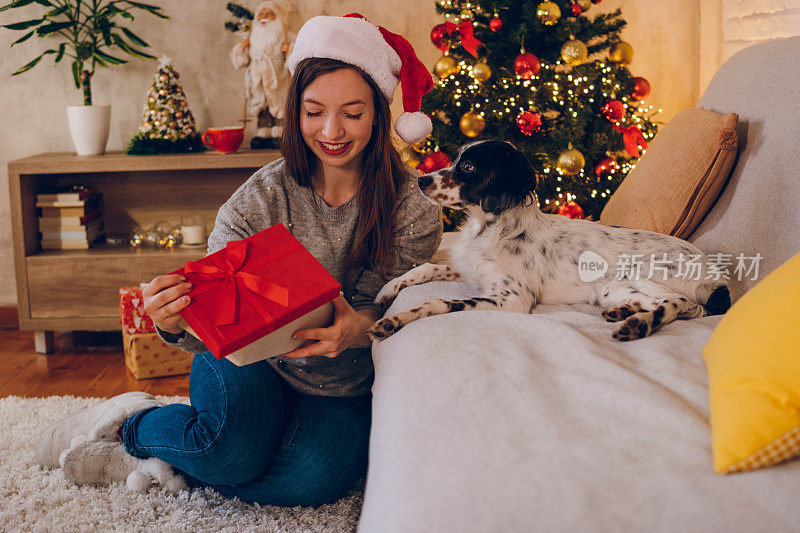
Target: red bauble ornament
column 496, row 24
column 570, row 210
column 576, row 10
column 604, row 166
column 641, row 88
column 527, row 65
column 437, row 35
column 529, row 122
column 435, row 161
column 614, row 111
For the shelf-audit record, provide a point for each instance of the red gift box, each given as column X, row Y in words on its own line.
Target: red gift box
column 133, row 317
column 253, row 287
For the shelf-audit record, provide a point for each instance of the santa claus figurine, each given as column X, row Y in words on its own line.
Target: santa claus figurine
column 264, row 52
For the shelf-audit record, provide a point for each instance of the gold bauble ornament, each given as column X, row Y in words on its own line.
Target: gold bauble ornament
column 548, row 13
column 621, row 53
column 574, row 52
column 472, row 124
column 585, row 4
column 481, row 71
column 446, row 66
column 570, row 161
column 410, row 157
column 421, row 147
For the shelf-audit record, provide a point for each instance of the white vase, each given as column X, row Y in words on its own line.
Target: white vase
column 88, row 126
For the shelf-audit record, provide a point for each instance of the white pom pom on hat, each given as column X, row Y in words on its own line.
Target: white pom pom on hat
column 413, row 127
column 386, row 57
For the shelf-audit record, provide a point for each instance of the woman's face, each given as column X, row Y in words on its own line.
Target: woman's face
column 336, row 116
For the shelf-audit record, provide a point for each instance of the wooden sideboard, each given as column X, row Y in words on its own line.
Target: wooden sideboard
column 62, row 290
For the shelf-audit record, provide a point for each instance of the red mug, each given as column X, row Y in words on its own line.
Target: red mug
column 224, row 140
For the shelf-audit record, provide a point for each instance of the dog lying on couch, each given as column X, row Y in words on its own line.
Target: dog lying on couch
column 520, row 257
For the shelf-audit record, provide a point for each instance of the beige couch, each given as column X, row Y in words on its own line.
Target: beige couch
column 489, row 421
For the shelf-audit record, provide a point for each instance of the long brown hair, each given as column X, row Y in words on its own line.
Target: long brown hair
column 382, row 169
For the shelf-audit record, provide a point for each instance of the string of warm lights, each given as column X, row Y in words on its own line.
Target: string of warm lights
column 523, row 85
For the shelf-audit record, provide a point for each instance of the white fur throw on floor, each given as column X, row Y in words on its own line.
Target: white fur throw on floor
column 40, row 500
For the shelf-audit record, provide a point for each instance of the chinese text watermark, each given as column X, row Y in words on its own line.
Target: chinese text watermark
column 716, row 266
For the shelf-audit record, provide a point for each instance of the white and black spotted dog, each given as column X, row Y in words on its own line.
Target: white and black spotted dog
column 520, row 257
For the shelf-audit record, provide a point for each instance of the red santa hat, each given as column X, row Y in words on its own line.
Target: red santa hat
column 386, row 57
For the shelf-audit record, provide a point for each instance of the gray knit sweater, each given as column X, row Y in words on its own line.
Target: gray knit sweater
column 272, row 196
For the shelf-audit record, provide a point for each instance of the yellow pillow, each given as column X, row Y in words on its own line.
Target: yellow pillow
column 753, row 360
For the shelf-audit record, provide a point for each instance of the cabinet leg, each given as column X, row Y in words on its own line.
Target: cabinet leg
column 44, row 341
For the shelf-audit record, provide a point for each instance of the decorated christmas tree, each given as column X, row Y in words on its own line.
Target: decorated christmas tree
column 167, row 125
column 550, row 77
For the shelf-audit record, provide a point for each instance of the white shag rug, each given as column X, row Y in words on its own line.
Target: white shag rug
column 41, row 500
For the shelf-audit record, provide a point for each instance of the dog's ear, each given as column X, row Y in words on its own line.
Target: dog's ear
column 511, row 181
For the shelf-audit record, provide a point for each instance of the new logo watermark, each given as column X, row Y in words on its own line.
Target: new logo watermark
column 591, row 266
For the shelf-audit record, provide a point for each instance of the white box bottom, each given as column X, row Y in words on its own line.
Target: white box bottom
column 279, row 341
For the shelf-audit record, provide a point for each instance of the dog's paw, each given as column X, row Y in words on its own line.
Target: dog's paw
column 389, row 292
column 621, row 312
column 384, row 328
column 633, row 328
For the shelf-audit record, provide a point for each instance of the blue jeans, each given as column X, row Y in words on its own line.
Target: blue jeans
column 247, row 434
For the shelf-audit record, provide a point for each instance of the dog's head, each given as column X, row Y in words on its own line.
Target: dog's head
column 491, row 174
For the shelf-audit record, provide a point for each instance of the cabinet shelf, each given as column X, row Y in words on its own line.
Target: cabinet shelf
column 79, row 289
column 65, row 162
column 100, row 251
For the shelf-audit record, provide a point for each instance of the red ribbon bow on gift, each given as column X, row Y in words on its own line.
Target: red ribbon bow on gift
column 467, row 32
column 633, row 139
column 235, row 256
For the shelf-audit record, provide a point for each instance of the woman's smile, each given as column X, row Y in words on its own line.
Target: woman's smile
column 334, row 149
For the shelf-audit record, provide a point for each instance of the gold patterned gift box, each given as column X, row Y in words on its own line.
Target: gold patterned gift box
column 147, row 356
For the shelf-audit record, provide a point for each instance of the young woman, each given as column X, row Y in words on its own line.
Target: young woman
column 293, row 429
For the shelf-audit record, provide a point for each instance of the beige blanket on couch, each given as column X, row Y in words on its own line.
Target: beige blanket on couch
column 493, row 421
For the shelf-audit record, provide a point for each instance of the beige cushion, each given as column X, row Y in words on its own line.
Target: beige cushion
column 679, row 178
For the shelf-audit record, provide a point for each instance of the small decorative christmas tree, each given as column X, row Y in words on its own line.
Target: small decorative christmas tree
column 167, row 122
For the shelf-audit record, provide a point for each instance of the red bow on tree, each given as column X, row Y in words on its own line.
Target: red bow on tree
column 467, row 32
column 235, row 256
column 633, row 139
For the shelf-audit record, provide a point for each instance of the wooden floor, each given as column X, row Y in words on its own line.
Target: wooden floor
column 87, row 364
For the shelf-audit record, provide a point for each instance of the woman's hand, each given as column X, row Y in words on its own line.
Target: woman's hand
column 164, row 298
column 348, row 330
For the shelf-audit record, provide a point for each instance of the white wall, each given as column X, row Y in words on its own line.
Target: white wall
column 677, row 44
column 746, row 22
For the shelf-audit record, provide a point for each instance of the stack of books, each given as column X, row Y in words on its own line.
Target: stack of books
column 70, row 217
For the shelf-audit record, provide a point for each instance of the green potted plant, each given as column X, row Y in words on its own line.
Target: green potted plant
column 90, row 33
